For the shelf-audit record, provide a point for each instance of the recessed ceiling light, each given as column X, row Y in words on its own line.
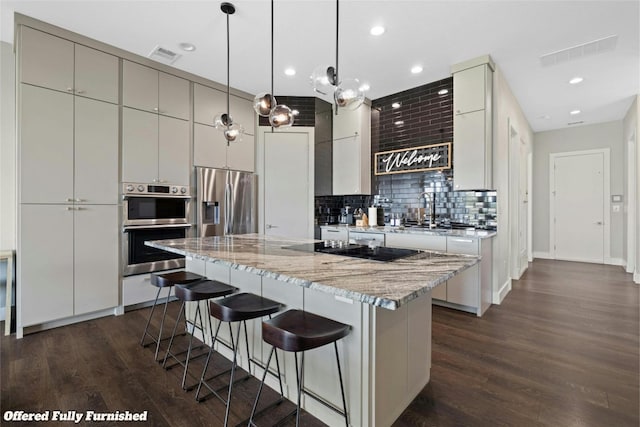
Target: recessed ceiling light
column 576, row 80
column 189, row 47
column 574, row 112
column 398, row 123
column 443, row 91
column 377, row 30
column 364, row 87
column 395, row 105
column 290, row 72
column 545, row 117
column 416, row 69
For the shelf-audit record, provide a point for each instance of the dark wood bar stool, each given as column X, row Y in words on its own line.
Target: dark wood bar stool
column 236, row 308
column 198, row 291
column 161, row 281
column 298, row 331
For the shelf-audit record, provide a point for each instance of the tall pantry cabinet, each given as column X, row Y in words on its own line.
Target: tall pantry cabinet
column 68, row 237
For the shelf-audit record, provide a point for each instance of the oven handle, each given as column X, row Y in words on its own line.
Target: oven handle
column 145, row 227
column 155, row 196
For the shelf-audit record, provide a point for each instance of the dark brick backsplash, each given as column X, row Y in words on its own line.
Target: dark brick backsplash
column 306, row 106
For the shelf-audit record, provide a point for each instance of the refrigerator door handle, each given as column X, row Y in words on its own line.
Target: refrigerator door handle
column 227, row 209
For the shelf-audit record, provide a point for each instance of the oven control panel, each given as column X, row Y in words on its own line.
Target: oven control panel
column 158, row 190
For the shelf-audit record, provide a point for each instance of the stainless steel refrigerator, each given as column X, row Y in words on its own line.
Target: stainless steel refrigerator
column 226, row 202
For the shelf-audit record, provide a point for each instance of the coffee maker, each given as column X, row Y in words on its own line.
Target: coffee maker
column 346, row 216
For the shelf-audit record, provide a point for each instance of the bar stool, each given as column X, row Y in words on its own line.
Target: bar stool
column 298, row 331
column 165, row 280
column 198, row 291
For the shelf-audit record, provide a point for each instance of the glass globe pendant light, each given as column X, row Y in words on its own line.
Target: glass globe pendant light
column 265, row 104
column 223, row 121
column 347, row 93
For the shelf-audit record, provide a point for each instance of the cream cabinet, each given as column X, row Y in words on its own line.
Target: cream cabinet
column 155, row 148
column 352, row 151
column 68, row 148
column 58, row 64
column 473, row 124
column 63, row 272
column 416, row 241
column 210, row 149
column 334, row 233
column 209, row 102
column 148, row 89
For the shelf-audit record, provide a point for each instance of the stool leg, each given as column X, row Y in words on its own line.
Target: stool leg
column 233, row 371
column 344, row 400
column 146, row 328
column 206, row 364
column 300, row 382
column 173, row 334
column 246, row 341
column 164, row 315
column 264, row 376
column 193, row 332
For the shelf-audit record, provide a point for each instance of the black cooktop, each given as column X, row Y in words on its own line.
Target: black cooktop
column 356, row 251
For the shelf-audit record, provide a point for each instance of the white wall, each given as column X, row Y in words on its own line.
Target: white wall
column 7, row 157
column 601, row 135
column 631, row 126
column 507, row 113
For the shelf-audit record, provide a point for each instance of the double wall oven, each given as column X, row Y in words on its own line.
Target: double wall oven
column 153, row 212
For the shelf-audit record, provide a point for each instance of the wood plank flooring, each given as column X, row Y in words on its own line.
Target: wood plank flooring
column 561, row 350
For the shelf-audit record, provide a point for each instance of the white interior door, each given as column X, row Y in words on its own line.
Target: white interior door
column 523, row 200
column 287, row 187
column 578, row 206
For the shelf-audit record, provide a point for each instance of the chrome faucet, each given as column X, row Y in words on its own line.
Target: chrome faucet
column 431, row 204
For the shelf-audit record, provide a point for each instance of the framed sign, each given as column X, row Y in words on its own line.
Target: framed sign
column 414, row 159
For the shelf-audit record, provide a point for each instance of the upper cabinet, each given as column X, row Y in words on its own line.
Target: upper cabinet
column 147, row 89
column 210, row 148
column 55, row 63
column 473, row 124
column 352, row 151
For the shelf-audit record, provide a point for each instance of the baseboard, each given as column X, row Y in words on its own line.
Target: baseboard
column 636, row 277
column 68, row 321
column 616, row 261
column 500, row 295
column 2, row 313
column 543, row 255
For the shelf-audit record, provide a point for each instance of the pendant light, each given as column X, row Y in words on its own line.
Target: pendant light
column 224, row 122
column 265, row 104
column 347, row 93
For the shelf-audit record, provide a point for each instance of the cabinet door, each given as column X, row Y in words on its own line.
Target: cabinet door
column 469, row 151
column 96, row 266
column 207, row 103
column 346, row 166
column 346, row 123
column 46, row 146
column 46, row 263
column 139, row 146
column 209, row 147
column 416, row 241
column 336, row 233
column 174, row 160
column 241, row 155
column 173, row 96
column 45, row 60
column 96, row 74
column 469, row 90
column 139, row 86
column 96, row 152
column 243, row 113
column 463, row 288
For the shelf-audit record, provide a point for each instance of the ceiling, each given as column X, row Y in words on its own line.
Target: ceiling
column 433, row 34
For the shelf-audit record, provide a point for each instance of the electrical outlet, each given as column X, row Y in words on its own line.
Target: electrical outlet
column 616, row 208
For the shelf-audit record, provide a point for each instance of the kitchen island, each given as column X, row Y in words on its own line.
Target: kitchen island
column 386, row 357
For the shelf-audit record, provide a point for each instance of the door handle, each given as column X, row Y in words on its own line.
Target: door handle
column 269, row 226
column 599, row 223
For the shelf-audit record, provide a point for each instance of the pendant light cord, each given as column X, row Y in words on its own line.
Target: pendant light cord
column 228, row 68
column 272, row 94
column 337, row 81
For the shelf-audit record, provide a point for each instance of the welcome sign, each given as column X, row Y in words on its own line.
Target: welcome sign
column 415, row 159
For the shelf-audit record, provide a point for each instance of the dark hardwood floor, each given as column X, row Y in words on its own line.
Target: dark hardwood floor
column 562, row 350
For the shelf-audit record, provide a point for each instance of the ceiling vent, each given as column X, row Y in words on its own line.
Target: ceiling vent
column 164, row 55
column 605, row 44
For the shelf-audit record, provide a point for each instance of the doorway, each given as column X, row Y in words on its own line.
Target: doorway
column 519, row 204
column 579, row 206
column 632, row 188
column 287, row 182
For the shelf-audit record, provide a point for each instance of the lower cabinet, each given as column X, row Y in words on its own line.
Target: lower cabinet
column 69, row 262
column 334, row 233
column 416, row 241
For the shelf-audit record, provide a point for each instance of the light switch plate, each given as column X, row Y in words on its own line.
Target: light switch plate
column 616, row 198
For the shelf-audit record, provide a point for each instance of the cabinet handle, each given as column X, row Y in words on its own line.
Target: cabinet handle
column 71, row 208
column 333, row 231
column 80, row 209
column 69, row 89
column 79, row 91
column 70, row 200
column 156, row 109
column 463, row 240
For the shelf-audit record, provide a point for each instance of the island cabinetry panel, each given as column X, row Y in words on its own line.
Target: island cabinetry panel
column 334, row 233
column 148, row 89
column 364, row 238
column 68, row 148
column 472, row 124
column 416, row 241
column 59, row 64
column 154, row 148
column 59, row 277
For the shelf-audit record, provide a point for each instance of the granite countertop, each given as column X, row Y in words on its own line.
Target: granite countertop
column 383, row 284
column 474, row 234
